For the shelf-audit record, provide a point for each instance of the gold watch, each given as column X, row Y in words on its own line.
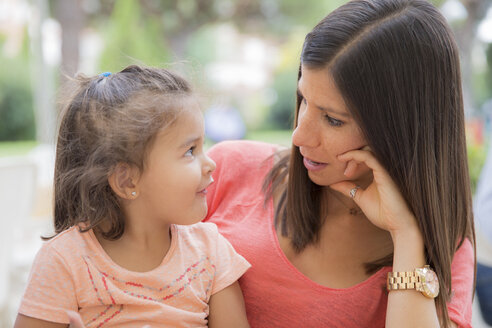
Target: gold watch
column 423, row 280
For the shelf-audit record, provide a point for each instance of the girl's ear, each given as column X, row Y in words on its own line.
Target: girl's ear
column 123, row 180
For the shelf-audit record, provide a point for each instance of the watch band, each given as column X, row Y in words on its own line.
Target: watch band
column 423, row 280
column 403, row 280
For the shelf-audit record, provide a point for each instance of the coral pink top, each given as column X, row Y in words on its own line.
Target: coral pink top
column 276, row 293
column 72, row 272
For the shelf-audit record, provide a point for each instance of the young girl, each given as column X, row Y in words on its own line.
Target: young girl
column 131, row 179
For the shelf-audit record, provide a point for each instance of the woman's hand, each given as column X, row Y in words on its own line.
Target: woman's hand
column 381, row 201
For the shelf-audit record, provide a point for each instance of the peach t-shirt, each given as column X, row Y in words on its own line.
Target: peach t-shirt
column 276, row 293
column 72, row 272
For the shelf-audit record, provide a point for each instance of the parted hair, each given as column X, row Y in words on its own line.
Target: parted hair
column 106, row 120
column 397, row 67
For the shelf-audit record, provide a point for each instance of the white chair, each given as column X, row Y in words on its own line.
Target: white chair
column 17, row 191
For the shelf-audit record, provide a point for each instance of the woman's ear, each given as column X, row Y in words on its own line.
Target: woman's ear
column 123, row 180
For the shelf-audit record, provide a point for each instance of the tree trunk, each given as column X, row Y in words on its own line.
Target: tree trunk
column 466, row 38
column 72, row 18
column 42, row 79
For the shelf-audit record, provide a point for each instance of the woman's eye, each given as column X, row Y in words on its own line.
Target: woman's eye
column 333, row 121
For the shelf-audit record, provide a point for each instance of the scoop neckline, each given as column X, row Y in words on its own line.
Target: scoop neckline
column 113, row 264
column 295, row 271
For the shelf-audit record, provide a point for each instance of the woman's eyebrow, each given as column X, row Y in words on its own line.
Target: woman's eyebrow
column 331, row 110
column 327, row 109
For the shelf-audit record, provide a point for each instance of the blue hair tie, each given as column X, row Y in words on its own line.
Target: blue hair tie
column 105, row 74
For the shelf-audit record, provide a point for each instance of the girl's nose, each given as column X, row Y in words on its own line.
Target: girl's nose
column 209, row 165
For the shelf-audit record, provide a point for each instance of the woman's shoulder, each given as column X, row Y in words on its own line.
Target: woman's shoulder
column 465, row 254
column 246, row 151
column 242, row 164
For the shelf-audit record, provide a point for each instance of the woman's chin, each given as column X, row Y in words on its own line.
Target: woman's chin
column 323, row 181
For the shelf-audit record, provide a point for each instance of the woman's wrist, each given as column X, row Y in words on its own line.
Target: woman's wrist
column 409, row 249
column 408, row 231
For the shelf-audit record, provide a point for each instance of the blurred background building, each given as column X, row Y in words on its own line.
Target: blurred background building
column 242, row 56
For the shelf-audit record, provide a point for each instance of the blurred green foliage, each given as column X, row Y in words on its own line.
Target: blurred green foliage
column 16, row 101
column 482, row 80
column 476, row 159
column 131, row 37
column 16, row 148
column 281, row 112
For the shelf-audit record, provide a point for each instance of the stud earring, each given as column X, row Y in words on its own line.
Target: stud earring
column 134, row 193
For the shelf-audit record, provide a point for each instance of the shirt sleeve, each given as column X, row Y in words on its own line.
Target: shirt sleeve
column 50, row 289
column 462, row 275
column 229, row 265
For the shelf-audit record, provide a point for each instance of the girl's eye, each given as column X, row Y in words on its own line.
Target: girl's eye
column 333, row 121
column 190, row 152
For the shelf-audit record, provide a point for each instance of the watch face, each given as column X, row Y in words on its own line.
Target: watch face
column 430, row 282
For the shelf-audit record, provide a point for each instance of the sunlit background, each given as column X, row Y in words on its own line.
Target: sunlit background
column 242, row 57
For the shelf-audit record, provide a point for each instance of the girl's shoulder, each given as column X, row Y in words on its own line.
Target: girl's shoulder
column 67, row 243
column 202, row 232
column 201, row 237
column 68, row 236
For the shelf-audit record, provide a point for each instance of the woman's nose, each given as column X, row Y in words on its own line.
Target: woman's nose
column 305, row 132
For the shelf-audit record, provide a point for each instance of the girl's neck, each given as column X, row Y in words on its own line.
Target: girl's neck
column 146, row 235
column 141, row 248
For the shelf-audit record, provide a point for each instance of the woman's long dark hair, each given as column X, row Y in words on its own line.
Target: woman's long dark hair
column 108, row 120
column 397, row 67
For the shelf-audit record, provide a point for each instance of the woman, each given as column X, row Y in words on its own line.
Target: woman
column 375, row 187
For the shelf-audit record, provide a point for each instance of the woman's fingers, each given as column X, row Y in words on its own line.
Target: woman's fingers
column 361, row 156
column 350, row 169
column 366, row 157
column 348, row 188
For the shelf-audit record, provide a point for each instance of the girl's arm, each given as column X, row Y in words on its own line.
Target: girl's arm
column 23, row 321
column 226, row 308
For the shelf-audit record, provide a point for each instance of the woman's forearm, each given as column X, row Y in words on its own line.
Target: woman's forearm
column 409, row 308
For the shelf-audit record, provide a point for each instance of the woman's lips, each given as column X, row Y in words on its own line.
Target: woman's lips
column 312, row 165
